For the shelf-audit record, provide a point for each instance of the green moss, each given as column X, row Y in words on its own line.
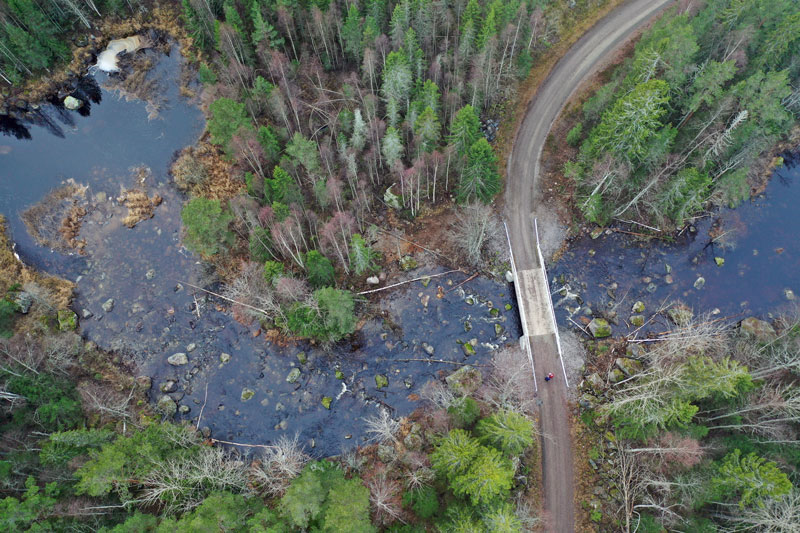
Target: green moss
column 381, row 381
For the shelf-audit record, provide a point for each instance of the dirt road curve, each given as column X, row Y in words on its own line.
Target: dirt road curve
column 521, row 196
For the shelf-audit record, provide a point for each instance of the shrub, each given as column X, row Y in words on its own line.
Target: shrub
column 464, row 412
column 575, row 134
column 319, row 269
column 206, row 226
column 507, row 431
column 272, row 271
column 50, row 402
column 332, row 320
column 64, row 446
column 206, row 75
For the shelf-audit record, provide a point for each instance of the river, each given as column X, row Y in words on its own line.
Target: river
column 145, row 270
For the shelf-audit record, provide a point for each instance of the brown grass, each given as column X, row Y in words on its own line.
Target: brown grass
column 56, row 221
column 13, row 272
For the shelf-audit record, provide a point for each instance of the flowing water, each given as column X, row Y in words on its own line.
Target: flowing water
column 756, row 246
column 110, row 146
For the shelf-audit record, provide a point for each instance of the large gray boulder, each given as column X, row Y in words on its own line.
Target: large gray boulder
column 600, row 328
column 178, row 359
column 759, row 329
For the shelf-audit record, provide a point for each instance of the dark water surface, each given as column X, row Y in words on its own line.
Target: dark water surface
column 758, row 242
column 155, row 313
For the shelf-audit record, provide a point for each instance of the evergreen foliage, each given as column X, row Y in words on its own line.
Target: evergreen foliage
column 206, row 226
column 319, row 269
column 479, row 180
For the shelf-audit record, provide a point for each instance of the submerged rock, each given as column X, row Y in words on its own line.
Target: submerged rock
column 759, row 329
column 428, row 348
column 465, row 380
column 293, row 376
column 108, row 305
column 178, row 359
column 699, row 283
column 637, row 320
column 224, row 357
column 247, row 394
column 600, row 328
column 789, row 294
column 301, row 357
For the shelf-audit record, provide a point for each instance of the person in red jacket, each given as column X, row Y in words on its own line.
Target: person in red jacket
column 549, row 376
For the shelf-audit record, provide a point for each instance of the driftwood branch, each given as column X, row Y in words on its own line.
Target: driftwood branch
column 408, row 281
column 437, row 361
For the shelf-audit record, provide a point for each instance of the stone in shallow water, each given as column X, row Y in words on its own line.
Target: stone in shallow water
column 381, row 381
column 177, row 359
column 468, row 348
column 167, row 406
column 247, row 394
column 293, row 376
column 637, row 320
column 638, row 307
column 108, row 305
column 699, row 283
column 326, row 402
column 600, row 328
column 789, row 294
column 759, row 329
column 72, row 103
column 719, row 261
column 224, row 357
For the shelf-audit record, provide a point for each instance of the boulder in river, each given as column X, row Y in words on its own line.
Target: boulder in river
column 293, row 375
column 108, row 305
column 600, row 328
column 759, row 329
column 637, row 320
column 638, row 307
column 70, row 102
column 465, row 380
column 178, row 359
column 167, row 406
column 247, row 394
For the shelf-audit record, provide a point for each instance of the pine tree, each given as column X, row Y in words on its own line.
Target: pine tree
column 352, row 34
column 392, row 147
column 362, row 257
column 479, row 179
column 427, row 130
column 507, row 431
column 359, row 136
column 465, row 129
column 750, row 479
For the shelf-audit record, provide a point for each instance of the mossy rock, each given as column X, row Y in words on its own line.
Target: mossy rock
column 600, row 328
column 761, row 330
column 301, row 357
column 465, row 380
column 167, row 406
column 293, row 376
column 408, row 263
column 381, row 381
column 67, row 320
column 719, row 261
column 247, row 394
column 494, row 312
column 637, row 320
column 467, row 326
column 468, row 348
column 425, row 281
column 509, row 307
column 499, row 330
column 326, row 402
column 339, row 374
column 638, row 307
